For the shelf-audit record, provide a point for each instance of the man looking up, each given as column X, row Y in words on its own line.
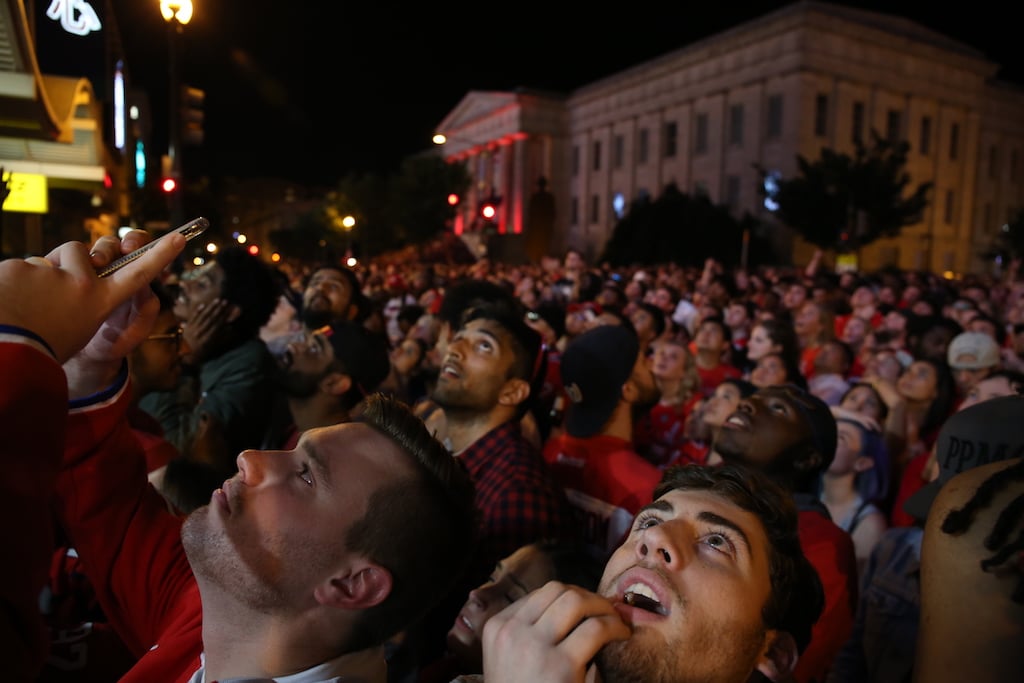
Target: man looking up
column 301, row 563
column 493, row 368
column 332, row 294
column 709, row 586
column 790, row 435
column 325, row 374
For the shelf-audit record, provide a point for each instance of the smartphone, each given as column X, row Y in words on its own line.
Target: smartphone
column 194, row 228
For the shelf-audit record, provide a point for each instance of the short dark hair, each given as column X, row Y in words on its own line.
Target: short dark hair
column 797, row 597
column 363, row 304
column 465, row 294
column 657, row 314
column 530, row 362
column 426, row 541
column 250, row 284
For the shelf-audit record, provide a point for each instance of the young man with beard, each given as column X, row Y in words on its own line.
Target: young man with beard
column 325, row 374
column 301, row 565
column 332, row 294
column 493, row 368
column 709, row 586
column 608, row 381
column 790, row 435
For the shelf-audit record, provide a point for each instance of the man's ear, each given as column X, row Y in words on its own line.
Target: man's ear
column 359, row 587
column 779, row 658
column 514, row 392
column 335, row 383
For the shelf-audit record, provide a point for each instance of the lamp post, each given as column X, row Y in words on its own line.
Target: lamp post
column 176, row 13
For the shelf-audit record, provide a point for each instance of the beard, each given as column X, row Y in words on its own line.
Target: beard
column 298, row 384
column 713, row 657
column 315, row 317
column 216, row 563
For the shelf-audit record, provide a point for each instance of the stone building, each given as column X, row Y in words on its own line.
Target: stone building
column 809, row 76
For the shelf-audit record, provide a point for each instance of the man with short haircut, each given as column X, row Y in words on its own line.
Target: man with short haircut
column 301, row 565
column 493, row 368
column 609, row 384
column 710, row 585
column 712, row 343
column 790, row 435
column 333, row 293
column 327, row 373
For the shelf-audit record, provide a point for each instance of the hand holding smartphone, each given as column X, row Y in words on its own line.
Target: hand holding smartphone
column 190, row 230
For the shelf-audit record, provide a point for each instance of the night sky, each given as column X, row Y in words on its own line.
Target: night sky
column 311, row 91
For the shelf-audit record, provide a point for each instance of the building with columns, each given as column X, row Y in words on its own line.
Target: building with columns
column 808, row 76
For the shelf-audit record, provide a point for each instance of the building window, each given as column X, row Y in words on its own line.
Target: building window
column 595, row 208
column 732, row 191
column 597, row 155
column 857, row 125
column 700, row 143
column 948, row 211
column 736, row 125
column 774, row 127
column 644, row 142
column 618, row 151
column 926, row 136
column 575, row 160
column 893, row 126
column 986, row 217
column 1013, row 165
column 993, row 162
column 671, row 139
column 821, row 115
column 574, row 211
column 954, row 141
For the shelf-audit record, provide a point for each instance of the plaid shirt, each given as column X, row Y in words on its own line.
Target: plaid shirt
column 516, row 497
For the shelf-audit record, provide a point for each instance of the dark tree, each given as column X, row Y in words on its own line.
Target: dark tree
column 844, row 203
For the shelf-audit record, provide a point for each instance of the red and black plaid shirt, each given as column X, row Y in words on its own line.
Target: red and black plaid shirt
column 516, row 497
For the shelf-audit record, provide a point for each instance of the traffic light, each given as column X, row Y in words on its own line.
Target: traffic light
column 168, row 185
column 453, row 199
column 489, row 208
column 192, row 100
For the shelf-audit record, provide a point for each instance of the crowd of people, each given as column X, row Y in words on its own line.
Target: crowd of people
column 412, row 472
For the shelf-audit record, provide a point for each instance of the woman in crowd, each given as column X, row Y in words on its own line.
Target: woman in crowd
column 771, row 335
column 659, row 435
column 772, row 370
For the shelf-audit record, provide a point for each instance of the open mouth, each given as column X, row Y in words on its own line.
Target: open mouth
column 640, row 596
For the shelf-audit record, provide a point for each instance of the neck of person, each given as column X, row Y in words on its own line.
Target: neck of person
column 671, row 391
column 620, row 424
column 838, row 489
column 465, row 427
column 241, row 642
column 708, row 358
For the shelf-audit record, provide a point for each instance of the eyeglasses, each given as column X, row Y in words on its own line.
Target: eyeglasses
column 176, row 336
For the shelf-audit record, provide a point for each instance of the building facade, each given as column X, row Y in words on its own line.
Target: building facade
column 806, row 77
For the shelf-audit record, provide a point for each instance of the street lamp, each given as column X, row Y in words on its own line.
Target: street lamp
column 176, row 13
column 348, row 222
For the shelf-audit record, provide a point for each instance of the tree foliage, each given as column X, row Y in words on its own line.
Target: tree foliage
column 675, row 227
column 843, row 203
column 1009, row 243
column 409, row 207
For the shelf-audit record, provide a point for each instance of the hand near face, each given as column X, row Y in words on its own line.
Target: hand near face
column 122, row 306
column 550, row 635
column 201, row 329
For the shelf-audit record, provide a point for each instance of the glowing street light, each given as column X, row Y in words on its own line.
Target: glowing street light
column 178, row 10
column 439, row 139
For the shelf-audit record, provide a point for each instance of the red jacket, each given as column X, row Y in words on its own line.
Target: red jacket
column 830, row 550
column 130, row 548
column 33, row 419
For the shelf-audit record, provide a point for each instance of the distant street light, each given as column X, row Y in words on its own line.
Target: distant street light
column 176, row 13
column 439, row 139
